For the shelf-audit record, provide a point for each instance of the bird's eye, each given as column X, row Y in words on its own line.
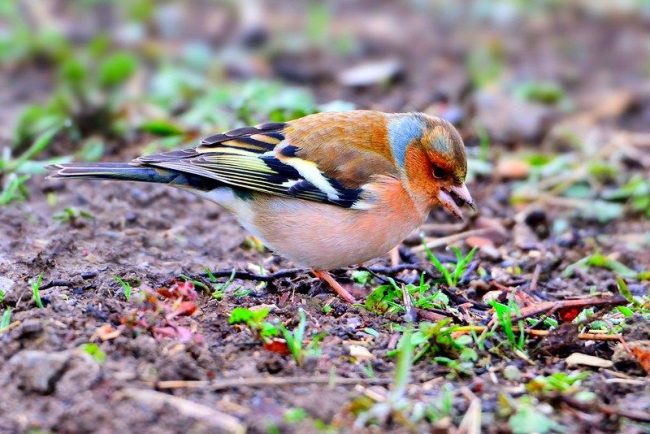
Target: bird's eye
column 438, row 173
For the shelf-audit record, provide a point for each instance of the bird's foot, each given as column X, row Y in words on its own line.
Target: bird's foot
column 336, row 286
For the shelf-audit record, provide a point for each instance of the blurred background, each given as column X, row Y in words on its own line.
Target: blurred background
column 564, row 80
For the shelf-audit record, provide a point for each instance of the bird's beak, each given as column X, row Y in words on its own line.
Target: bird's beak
column 448, row 197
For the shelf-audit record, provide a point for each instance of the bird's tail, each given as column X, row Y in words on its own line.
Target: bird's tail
column 133, row 172
column 116, row 171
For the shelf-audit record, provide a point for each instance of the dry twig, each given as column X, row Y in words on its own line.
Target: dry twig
column 232, row 383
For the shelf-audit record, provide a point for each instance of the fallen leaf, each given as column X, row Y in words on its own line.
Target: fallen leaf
column 568, row 314
column 185, row 308
column 360, row 353
column 182, row 289
column 641, row 351
column 577, row 359
column 277, row 346
column 107, row 332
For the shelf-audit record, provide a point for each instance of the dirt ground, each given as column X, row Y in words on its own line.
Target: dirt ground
column 151, row 235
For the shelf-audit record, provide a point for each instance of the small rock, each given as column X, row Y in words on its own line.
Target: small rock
column 512, row 169
column 512, row 373
column 353, row 323
column 491, row 252
column 577, row 359
column 371, row 73
column 568, row 239
column 30, row 328
column 491, row 296
column 38, row 371
column 360, row 353
column 80, row 373
column 524, row 237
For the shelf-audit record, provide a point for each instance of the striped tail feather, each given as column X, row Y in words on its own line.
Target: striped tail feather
column 133, row 172
column 115, row 171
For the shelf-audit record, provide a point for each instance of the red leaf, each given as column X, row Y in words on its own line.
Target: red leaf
column 165, row 292
column 185, row 308
column 181, row 289
column 642, row 354
column 568, row 314
column 277, row 346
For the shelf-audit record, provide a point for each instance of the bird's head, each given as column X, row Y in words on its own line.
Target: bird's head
column 431, row 157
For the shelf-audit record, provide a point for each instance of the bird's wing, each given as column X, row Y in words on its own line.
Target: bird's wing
column 305, row 160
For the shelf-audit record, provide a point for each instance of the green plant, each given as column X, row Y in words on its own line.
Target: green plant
column 458, row 269
column 636, row 191
column 295, row 339
column 295, row 415
column 6, row 319
column 195, row 282
column 396, row 402
column 36, row 293
column 384, row 298
column 273, row 101
column 94, row 351
column 441, row 407
column 539, row 91
column 255, row 320
column 504, row 316
column 24, row 163
column 127, row 289
column 600, row 261
column 17, row 171
column 72, row 216
column 437, row 340
column 485, row 64
column 116, row 69
column 528, row 419
column 219, row 289
column 560, row 382
column 362, row 277
column 625, row 292
column 388, row 298
column 14, row 189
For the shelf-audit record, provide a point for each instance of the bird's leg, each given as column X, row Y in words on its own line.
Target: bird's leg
column 336, row 286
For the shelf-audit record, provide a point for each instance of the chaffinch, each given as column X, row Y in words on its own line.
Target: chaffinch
column 327, row 190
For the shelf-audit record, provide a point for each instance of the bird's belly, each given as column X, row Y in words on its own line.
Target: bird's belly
column 324, row 236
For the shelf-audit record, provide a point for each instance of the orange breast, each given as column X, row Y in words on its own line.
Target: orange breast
column 324, row 236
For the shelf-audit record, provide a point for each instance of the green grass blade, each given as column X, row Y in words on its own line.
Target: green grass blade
column 436, row 263
column 36, row 293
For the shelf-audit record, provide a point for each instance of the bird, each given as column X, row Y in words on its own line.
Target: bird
column 327, row 190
